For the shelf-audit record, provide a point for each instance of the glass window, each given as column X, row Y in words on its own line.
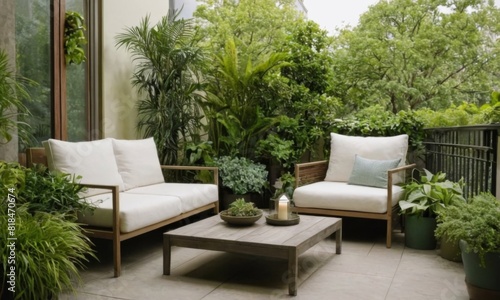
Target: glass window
column 76, row 89
column 33, row 60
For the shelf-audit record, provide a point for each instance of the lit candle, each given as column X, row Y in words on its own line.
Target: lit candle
column 283, row 208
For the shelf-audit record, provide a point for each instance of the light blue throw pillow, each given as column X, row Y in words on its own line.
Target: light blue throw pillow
column 371, row 172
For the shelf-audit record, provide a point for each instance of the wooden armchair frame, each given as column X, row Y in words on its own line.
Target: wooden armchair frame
column 311, row 172
column 37, row 155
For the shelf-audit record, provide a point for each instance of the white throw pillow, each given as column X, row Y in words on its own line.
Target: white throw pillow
column 138, row 162
column 93, row 160
column 344, row 149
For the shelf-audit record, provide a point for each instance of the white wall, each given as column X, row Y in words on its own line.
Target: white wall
column 119, row 98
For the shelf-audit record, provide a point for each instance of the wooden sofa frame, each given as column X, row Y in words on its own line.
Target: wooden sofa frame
column 311, row 172
column 37, row 156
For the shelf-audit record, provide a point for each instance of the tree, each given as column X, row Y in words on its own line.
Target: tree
column 257, row 27
column 408, row 54
column 167, row 57
column 309, row 105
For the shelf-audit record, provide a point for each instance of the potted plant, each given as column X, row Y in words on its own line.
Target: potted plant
column 422, row 200
column 241, row 212
column 477, row 226
column 49, row 246
column 240, row 177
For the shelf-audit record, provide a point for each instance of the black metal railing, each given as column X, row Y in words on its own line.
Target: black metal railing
column 470, row 152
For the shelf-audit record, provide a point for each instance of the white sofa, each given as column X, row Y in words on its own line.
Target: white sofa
column 359, row 180
column 126, row 183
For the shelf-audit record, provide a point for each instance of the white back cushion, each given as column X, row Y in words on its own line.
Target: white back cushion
column 344, row 149
column 138, row 162
column 93, row 160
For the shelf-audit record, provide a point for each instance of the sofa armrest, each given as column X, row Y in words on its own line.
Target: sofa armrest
column 310, row 172
column 115, row 191
column 195, row 168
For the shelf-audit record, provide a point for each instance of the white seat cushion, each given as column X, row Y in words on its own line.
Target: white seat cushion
column 136, row 211
column 344, row 148
column 137, row 162
column 342, row 196
column 94, row 161
column 192, row 195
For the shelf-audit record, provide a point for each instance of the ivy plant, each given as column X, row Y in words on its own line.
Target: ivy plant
column 241, row 175
column 74, row 38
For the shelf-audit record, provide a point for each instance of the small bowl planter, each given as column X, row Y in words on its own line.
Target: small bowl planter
column 241, row 213
column 239, row 220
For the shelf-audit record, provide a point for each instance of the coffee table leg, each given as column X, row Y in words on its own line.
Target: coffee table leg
column 167, row 256
column 293, row 266
column 338, row 241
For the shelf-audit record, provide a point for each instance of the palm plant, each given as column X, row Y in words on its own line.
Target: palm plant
column 166, row 55
column 235, row 93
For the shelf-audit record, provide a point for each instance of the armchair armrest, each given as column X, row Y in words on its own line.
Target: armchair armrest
column 390, row 174
column 195, row 168
column 310, row 172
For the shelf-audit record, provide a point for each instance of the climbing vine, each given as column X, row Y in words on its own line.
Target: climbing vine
column 74, row 38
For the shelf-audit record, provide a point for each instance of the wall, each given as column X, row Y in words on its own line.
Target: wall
column 119, row 98
column 8, row 151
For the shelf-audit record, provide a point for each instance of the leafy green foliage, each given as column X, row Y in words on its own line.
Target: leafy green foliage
column 377, row 121
column 305, row 103
column 236, row 88
column 49, row 250
column 167, row 56
column 12, row 91
column 461, row 115
column 258, row 27
column 241, row 208
column 74, row 38
column 412, row 54
column 431, row 195
column 42, row 190
column 241, row 175
column 285, row 185
column 476, row 222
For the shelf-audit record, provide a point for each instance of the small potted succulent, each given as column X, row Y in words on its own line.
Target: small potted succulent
column 241, row 212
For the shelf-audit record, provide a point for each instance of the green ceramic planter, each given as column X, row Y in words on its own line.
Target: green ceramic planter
column 487, row 278
column 450, row 250
column 419, row 232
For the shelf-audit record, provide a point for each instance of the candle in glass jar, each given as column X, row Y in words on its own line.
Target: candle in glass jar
column 283, row 209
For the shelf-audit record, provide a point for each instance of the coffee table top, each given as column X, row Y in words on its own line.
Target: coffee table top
column 310, row 230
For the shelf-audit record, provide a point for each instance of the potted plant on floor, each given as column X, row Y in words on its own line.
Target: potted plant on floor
column 421, row 202
column 477, row 226
column 240, row 178
column 39, row 212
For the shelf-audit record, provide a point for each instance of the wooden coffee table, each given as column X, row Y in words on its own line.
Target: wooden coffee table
column 286, row 242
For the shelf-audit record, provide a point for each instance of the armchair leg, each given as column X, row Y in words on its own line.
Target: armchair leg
column 388, row 241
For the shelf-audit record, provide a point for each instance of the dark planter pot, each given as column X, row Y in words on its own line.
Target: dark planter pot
column 482, row 283
column 419, row 232
column 450, row 250
column 228, row 198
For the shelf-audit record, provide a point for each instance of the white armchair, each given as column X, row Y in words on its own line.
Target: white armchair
column 359, row 180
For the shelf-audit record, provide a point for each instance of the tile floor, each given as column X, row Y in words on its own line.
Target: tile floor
column 366, row 269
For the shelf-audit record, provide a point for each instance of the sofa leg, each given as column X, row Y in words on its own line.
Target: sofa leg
column 117, row 258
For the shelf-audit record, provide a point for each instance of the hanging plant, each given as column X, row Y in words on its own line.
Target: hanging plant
column 74, row 38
